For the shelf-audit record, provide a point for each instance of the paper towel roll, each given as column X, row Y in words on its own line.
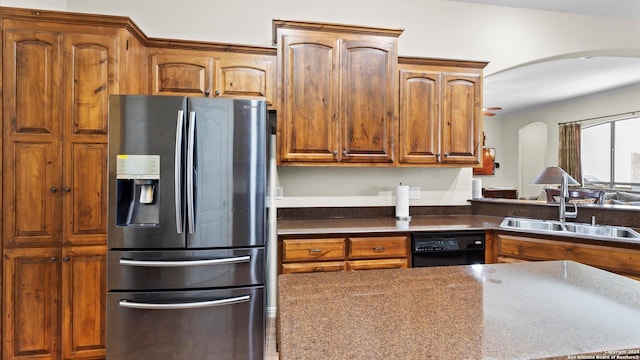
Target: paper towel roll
column 402, row 202
column 476, row 188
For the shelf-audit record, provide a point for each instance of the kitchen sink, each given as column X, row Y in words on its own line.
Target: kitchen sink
column 598, row 230
column 532, row 224
column 567, row 228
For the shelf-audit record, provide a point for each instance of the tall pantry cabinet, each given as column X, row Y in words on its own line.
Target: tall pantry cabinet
column 56, row 78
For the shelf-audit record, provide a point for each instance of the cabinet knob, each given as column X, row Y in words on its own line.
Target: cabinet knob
column 66, row 189
column 53, row 189
column 65, row 259
column 207, row 92
column 378, row 248
column 217, row 92
column 446, row 154
column 335, row 152
column 344, row 152
column 52, row 259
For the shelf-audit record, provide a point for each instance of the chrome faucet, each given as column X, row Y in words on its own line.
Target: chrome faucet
column 564, row 195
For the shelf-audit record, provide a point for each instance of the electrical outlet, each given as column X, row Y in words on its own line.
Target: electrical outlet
column 279, row 193
column 414, row 192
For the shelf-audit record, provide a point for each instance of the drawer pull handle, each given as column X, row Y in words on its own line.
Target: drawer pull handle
column 378, row 248
column 314, row 251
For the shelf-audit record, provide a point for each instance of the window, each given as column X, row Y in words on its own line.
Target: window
column 611, row 154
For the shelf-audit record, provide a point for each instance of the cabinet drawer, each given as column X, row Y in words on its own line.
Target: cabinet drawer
column 378, row 247
column 312, row 249
column 315, row 266
column 377, row 264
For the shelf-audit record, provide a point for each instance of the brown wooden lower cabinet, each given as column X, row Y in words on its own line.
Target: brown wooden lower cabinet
column 340, row 253
column 31, row 314
column 84, row 286
column 377, row 264
column 313, row 266
column 513, row 248
column 54, row 303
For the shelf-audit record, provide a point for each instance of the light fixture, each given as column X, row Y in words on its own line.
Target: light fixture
column 552, row 175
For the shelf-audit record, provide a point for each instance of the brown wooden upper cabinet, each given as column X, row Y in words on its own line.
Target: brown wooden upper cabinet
column 212, row 74
column 337, row 93
column 181, row 73
column 440, row 112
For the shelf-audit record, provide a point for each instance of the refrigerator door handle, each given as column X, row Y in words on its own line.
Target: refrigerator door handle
column 182, row 306
column 190, row 169
column 186, row 263
column 178, row 172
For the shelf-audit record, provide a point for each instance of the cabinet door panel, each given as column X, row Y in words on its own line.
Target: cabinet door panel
column 461, row 122
column 85, row 194
column 368, row 100
column 31, row 78
column 605, row 257
column 307, row 131
column 419, row 116
column 83, row 298
column 91, row 75
column 250, row 77
column 31, row 309
column 32, row 195
column 181, row 74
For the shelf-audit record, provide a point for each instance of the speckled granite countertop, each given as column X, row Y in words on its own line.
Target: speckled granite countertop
column 501, row 311
column 387, row 224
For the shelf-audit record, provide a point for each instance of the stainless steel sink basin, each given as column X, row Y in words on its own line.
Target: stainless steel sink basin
column 532, row 224
column 598, row 230
column 567, row 228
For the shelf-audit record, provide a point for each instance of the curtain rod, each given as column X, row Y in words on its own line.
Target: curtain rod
column 631, row 113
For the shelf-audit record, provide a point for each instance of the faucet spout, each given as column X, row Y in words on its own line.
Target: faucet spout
column 563, row 214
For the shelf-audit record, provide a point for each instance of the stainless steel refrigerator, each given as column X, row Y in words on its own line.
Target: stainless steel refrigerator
column 187, row 184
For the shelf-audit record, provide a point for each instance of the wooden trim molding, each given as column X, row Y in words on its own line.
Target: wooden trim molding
column 409, row 60
column 332, row 27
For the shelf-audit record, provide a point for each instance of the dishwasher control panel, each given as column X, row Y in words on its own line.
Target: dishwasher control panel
column 427, row 242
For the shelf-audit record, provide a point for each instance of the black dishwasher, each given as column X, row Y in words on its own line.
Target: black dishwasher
column 447, row 248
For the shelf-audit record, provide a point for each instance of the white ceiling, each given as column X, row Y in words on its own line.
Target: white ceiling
column 539, row 84
column 613, row 8
column 529, row 86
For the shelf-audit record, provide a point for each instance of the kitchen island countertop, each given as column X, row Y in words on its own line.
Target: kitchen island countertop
column 551, row 309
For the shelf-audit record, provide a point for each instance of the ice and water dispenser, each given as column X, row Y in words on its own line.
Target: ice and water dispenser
column 137, row 190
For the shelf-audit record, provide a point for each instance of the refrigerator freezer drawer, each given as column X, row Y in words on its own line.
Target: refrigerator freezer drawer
column 202, row 324
column 185, row 269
